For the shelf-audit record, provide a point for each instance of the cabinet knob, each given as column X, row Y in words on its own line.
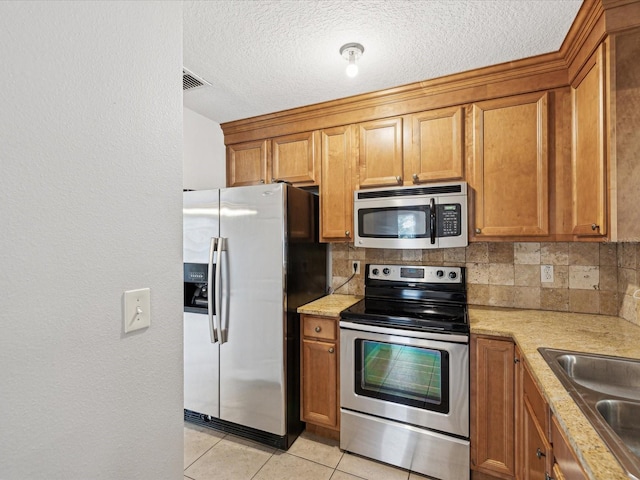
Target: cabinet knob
column 262, row 180
column 478, row 230
column 539, row 454
column 399, row 179
column 516, row 360
column 347, row 233
column 317, row 329
column 415, row 177
column 547, row 476
column 273, row 180
column 331, row 350
column 595, row 227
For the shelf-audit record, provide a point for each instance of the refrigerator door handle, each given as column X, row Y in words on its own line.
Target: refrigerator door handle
column 220, row 247
column 213, row 246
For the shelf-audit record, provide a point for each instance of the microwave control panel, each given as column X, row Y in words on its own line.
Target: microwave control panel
column 449, row 220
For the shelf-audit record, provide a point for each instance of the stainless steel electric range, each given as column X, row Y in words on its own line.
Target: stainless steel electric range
column 404, row 370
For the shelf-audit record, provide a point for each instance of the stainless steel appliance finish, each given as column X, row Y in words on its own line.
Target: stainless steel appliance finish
column 454, row 421
column 429, row 216
column 416, row 449
column 404, row 370
column 241, row 353
column 607, row 390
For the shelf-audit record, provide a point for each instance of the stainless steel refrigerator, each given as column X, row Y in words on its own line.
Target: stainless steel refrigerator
column 251, row 258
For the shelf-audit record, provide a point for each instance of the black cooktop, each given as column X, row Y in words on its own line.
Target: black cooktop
column 413, row 298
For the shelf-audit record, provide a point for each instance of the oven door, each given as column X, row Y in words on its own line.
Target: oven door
column 418, row 378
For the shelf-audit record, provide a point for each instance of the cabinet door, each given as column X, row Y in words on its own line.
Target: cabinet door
column 295, row 158
column 336, row 188
column 380, row 153
column 509, row 168
column 247, row 163
column 588, row 148
column 566, row 465
column 492, row 407
column 319, row 383
column 536, row 455
column 436, row 151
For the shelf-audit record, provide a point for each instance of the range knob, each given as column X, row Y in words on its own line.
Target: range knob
column 453, row 275
column 375, row 271
column 386, row 271
column 439, row 273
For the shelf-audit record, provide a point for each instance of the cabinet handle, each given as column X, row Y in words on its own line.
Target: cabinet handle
column 595, row 227
column 415, row 177
column 331, row 350
column 317, row 329
column 399, row 179
column 347, row 233
column 478, row 230
column 539, row 454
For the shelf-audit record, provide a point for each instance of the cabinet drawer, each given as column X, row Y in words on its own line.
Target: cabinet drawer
column 539, row 406
column 319, row 327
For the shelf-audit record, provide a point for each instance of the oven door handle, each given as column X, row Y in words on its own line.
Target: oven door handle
column 446, row 337
column 432, row 220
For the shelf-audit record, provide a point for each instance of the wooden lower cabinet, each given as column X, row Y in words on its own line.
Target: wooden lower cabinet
column 513, row 432
column 492, row 407
column 320, row 373
column 565, row 463
column 536, row 450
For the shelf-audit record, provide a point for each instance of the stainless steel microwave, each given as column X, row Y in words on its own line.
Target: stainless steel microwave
column 418, row 217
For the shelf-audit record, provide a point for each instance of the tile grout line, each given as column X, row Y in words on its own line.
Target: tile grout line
column 266, row 461
column 204, row 453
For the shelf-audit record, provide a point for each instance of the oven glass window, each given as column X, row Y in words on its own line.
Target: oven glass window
column 394, row 222
column 403, row 374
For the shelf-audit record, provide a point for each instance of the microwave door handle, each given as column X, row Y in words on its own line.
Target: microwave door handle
column 432, row 220
column 213, row 246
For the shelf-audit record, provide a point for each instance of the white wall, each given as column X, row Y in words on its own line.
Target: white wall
column 204, row 152
column 91, row 205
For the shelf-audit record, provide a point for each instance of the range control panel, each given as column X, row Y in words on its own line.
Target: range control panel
column 415, row 273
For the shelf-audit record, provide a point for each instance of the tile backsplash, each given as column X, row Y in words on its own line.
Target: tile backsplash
column 587, row 277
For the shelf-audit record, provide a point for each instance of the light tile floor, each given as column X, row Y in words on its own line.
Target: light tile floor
column 212, row 455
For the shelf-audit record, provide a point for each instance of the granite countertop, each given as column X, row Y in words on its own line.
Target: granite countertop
column 329, row 306
column 532, row 329
column 599, row 334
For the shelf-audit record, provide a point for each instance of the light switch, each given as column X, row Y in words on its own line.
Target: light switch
column 137, row 309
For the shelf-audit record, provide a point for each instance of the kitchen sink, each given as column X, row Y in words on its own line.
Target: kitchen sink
column 607, row 390
column 624, row 419
column 615, row 376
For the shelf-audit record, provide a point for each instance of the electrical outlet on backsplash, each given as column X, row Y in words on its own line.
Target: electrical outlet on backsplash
column 601, row 278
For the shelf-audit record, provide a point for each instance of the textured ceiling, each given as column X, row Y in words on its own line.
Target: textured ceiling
column 263, row 56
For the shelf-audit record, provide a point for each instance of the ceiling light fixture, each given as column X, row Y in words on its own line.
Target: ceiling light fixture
column 351, row 52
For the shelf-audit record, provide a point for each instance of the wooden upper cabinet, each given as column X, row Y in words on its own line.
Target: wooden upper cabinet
column 296, row 158
column 380, row 153
column 292, row 158
column 588, row 148
column 509, row 166
column 436, row 151
column 247, row 163
column 336, row 188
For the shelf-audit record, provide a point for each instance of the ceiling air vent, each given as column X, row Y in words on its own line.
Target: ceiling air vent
column 190, row 81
